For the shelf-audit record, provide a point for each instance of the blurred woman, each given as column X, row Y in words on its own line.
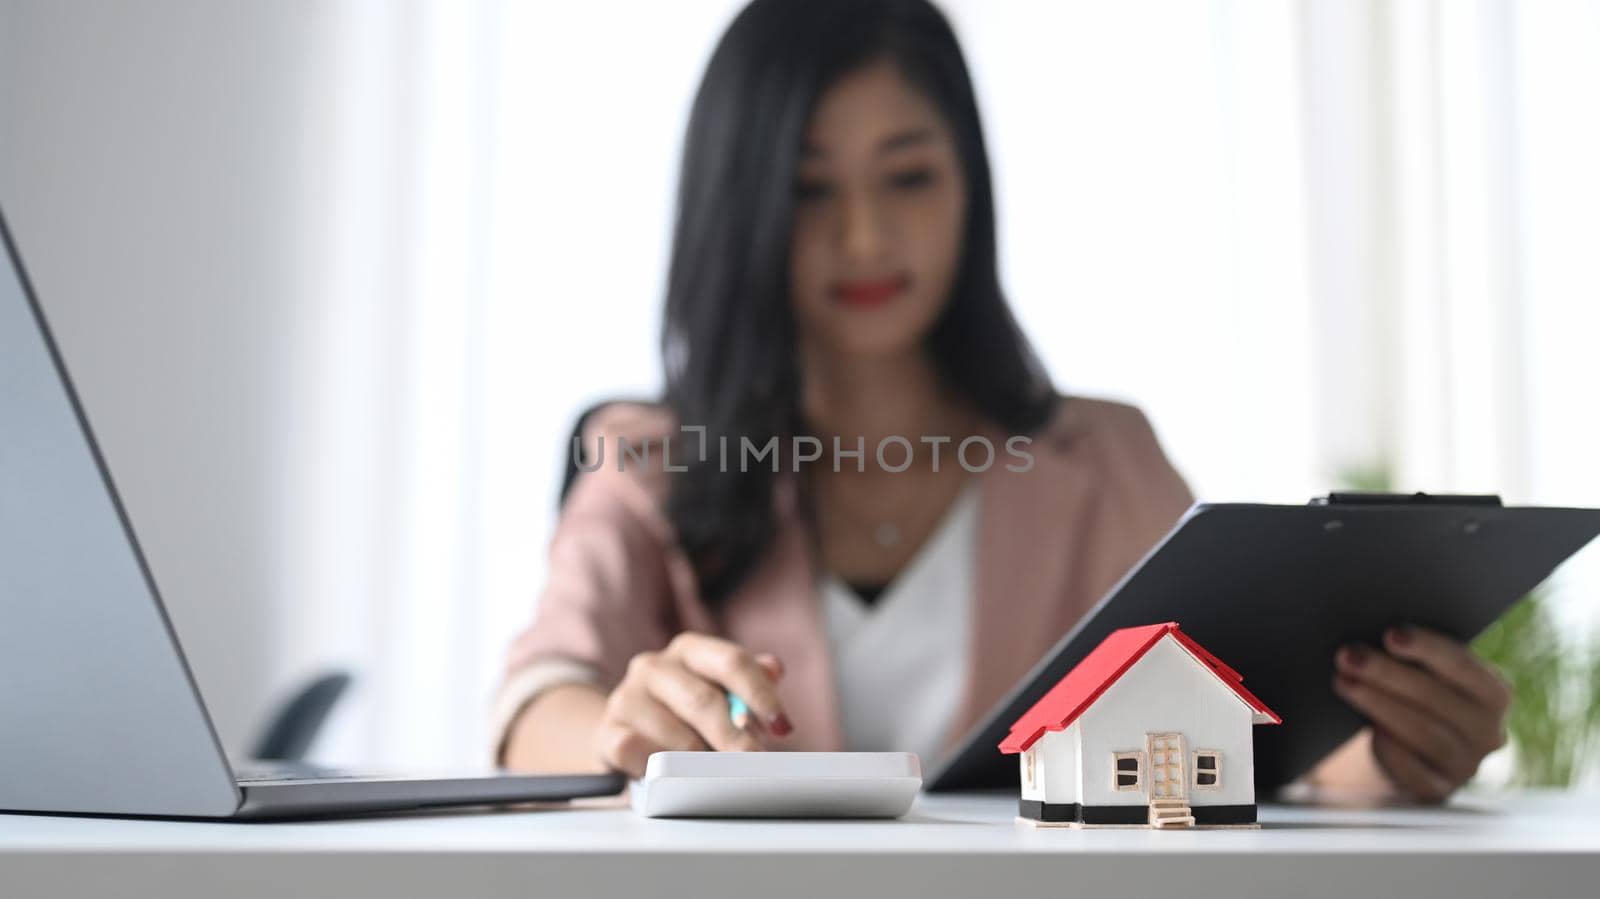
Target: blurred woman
column 878, row 578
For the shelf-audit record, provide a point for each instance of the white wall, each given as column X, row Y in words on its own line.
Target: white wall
column 1146, row 156
column 151, row 166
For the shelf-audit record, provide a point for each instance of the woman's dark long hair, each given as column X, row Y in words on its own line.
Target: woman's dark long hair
column 729, row 338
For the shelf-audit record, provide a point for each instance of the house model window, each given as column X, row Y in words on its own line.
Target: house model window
column 1030, row 767
column 1207, row 769
column 1125, row 769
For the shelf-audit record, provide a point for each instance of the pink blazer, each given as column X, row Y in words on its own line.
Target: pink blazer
column 1052, row 541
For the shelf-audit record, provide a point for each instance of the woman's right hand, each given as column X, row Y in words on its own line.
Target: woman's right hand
column 676, row 699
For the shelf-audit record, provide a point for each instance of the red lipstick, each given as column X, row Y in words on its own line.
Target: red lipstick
column 869, row 293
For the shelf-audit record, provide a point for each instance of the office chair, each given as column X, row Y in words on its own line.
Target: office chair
column 294, row 728
column 569, row 471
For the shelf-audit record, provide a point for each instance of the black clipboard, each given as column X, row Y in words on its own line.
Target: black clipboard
column 1274, row 590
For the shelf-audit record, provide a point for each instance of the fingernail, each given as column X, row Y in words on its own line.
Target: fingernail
column 780, row 725
column 1355, row 656
column 1400, row 636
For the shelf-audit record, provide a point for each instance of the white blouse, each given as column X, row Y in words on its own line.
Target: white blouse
column 900, row 665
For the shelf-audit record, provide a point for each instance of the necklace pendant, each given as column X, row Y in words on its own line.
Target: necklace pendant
column 886, row 535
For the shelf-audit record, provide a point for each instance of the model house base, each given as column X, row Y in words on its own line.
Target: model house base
column 1071, row 814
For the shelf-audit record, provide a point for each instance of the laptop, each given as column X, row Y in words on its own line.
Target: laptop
column 99, row 713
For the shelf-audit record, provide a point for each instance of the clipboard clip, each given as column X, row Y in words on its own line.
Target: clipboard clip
column 1369, row 498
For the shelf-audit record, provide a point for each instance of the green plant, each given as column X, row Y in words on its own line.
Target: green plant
column 1554, row 719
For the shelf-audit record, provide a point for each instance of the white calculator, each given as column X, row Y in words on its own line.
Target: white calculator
column 778, row 785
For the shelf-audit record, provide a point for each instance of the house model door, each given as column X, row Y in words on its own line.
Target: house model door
column 1167, row 779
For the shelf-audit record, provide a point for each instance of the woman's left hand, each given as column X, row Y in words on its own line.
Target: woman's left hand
column 1436, row 709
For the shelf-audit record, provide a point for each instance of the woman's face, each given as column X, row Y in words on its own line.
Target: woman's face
column 880, row 211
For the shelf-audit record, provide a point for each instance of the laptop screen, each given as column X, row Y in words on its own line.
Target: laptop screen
column 99, row 713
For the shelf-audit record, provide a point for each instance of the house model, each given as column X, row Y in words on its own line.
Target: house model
column 1149, row 729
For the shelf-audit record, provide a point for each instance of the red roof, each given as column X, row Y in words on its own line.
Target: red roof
column 1100, row 669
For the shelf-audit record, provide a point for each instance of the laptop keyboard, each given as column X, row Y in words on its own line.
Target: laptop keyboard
column 277, row 772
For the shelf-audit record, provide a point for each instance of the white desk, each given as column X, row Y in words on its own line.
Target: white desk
column 1522, row 845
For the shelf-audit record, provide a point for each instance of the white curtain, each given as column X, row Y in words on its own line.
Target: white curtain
column 495, row 216
column 388, row 467
column 1306, row 237
column 1455, row 200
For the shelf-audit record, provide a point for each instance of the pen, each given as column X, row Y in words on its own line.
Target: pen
column 738, row 712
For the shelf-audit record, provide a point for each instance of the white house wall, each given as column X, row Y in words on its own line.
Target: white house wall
column 1057, row 774
column 1167, row 691
column 1034, row 790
